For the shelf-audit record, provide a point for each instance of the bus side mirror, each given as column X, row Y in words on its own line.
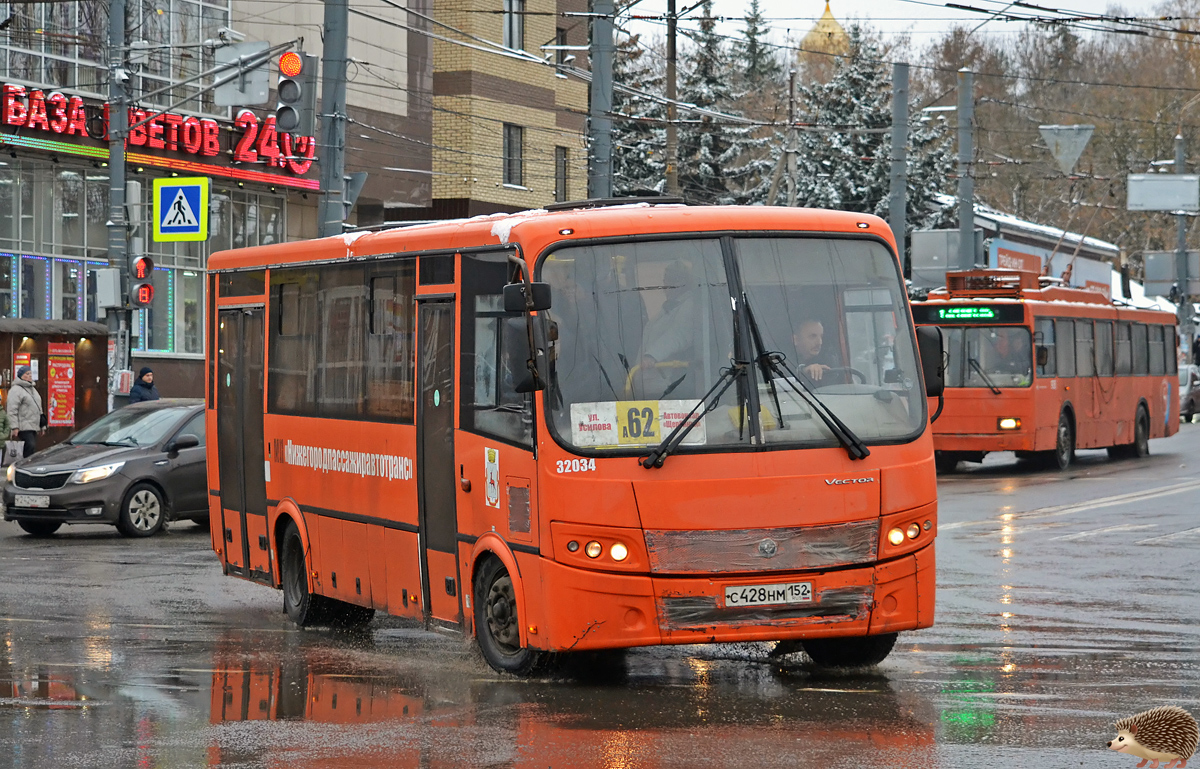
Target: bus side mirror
column 929, row 345
column 514, row 297
column 517, row 357
column 1043, row 355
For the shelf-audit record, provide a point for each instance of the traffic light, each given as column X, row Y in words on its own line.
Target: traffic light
column 296, row 112
column 141, row 281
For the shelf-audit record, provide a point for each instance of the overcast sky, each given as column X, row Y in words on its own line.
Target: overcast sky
column 921, row 20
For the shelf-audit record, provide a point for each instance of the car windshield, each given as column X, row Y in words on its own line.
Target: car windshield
column 132, row 427
column 988, row 356
column 641, row 331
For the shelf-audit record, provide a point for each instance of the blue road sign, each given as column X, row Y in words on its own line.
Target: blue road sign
column 181, row 209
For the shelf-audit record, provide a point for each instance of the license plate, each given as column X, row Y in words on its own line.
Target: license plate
column 766, row 595
column 30, row 500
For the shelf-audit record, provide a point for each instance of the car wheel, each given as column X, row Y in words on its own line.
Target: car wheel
column 497, row 626
column 302, row 607
column 201, row 520
column 855, row 652
column 40, row 528
column 143, row 513
column 1189, row 412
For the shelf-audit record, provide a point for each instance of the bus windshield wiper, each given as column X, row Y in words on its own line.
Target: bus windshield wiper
column 709, row 402
column 983, row 375
column 853, row 444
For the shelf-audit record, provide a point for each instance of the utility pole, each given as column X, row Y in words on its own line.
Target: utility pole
column 1181, row 257
column 600, row 112
column 119, row 319
column 966, row 169
column 898, row 193
column 791, row 153
column 333, row 118
column 672, row 113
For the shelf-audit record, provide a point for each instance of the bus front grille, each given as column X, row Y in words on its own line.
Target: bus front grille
column 758, row 550
column 837, row 604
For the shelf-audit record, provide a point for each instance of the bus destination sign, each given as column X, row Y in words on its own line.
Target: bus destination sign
column 968, row 314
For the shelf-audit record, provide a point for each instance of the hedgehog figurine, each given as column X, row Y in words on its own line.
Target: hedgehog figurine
column 1162, row 734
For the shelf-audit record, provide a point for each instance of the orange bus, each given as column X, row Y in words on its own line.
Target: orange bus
column 1041, row 369
column 536, row 429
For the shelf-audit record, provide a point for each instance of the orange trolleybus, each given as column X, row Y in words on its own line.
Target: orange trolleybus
column 1042, row 369
column 581, row 429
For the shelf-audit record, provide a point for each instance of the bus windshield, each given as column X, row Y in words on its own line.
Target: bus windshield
column 641, row 331
column 989, row 356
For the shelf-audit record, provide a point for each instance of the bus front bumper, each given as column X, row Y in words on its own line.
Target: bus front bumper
column 595, row 610
column 1017, row 440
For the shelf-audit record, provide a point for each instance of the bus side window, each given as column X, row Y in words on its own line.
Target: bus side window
column 1085, row 361
column 1066, row 347
column 1158, row 362
column 1046, row 355
column 1124, row 348
column 1171, row 349
column 494, row 355
column 1104, row 347
column 1141, row 353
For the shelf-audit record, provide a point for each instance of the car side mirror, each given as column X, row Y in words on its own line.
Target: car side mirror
column 514, row 297
column 187, row 441
column 1043, row 355
column 930, row 347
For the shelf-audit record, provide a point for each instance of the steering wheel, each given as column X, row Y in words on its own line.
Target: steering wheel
column 853, row 372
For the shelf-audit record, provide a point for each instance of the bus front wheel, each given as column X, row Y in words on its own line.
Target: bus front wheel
column 1064, row 444
column 855, row 652
column 497, row 625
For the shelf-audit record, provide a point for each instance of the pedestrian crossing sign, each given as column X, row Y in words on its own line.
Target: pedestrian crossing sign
column 181, row 209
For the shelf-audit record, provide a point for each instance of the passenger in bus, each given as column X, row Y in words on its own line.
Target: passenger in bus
column 668, row 340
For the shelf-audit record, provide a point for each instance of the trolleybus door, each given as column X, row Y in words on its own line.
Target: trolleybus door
column 436, row 482
column 240, row 455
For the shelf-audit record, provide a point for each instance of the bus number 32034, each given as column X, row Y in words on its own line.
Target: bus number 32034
column 576, row 465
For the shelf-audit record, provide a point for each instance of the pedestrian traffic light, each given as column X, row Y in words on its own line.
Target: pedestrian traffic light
column 296, row 112
column 141, row 279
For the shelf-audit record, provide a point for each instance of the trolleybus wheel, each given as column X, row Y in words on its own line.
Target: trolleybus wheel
column 497, row 626
column 39, row 528
column 855, row 652
column 946, row 461
column 143, row 513
column 1141, row 438
column 302, row 607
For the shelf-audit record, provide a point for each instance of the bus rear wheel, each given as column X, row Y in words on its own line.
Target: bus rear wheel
column 497, row 625
column 855, row 652
column 1141, row 439
column 946, row 461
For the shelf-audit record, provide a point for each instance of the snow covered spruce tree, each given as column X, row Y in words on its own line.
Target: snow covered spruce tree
column 847, row 169
column 720, row 160
column 639, row 130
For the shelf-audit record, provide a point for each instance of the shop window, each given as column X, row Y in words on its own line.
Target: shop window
column 158, row 320
column 191, row 298
column 70, row 289
column 9, row 197
column 35, row 287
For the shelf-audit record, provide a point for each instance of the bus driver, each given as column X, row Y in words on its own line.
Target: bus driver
column 809, row 337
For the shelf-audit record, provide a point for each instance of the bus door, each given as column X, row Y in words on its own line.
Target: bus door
column 436, row 481
column 240, row 454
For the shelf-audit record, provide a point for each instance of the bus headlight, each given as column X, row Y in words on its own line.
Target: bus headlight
column 593, row 549
column 1009, row 423
column 618, row 551
column 896, row 537
column 914, row 531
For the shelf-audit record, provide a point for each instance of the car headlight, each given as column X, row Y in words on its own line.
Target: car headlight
column 11, row 473
column 89, row 474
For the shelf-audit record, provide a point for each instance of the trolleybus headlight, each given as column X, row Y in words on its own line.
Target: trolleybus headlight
column 896, row 537
column 618, row 551
column 928, row 525
column 572, row 546
column 914, row 531
column 1009, row 423
column 593, row 549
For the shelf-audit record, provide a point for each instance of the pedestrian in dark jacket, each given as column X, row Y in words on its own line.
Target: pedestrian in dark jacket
column 143, row 389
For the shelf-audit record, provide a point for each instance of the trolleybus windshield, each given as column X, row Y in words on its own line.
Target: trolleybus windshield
column 641, row 330
column 988, row 356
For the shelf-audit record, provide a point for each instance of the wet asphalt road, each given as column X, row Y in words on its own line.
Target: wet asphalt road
column 1065, row 601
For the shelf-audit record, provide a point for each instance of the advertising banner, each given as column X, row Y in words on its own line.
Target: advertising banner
column 25, row 359
column 60, row 374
